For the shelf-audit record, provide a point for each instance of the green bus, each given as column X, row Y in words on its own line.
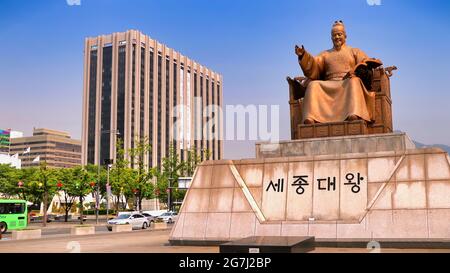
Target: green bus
column 13, row 215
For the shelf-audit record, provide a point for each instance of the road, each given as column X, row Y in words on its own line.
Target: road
column 139, row 241
column 60, row 228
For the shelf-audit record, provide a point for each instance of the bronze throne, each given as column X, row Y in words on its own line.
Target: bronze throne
column 375, row 79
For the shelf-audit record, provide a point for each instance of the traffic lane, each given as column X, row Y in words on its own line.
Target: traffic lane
column 62, row 231
column 140, row 241
column 56, row 231
column 50, row 231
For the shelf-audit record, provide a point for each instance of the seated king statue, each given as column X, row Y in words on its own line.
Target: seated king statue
column 335, row 91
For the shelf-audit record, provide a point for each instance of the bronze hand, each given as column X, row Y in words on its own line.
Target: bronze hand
column 299, row 50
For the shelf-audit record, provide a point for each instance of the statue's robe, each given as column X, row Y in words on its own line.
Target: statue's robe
column 329, row 97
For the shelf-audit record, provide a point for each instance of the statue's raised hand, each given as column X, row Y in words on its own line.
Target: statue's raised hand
column 299, row 50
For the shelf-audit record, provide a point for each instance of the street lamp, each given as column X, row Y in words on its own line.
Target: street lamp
column 169, row 194
column 108, row 190
column 97, row 197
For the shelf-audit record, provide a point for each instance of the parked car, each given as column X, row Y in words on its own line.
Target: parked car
column 155, row 213
column 137, row 221
column 149, row 217
column 40, row 218
column 168, row 217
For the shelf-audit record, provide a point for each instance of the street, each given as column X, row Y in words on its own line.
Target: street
column 139, row 241
column 59, row 240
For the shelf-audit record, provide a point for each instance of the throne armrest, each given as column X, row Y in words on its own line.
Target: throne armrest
column 297, row 87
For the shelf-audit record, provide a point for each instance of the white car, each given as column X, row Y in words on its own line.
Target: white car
column 137, row 221
column 155, row 213
column 168, row 217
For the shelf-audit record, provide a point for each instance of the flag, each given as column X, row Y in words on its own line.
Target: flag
column 27, row 151
column 37, row 159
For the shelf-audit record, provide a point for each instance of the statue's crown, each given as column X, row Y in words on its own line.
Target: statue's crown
column 339, row 24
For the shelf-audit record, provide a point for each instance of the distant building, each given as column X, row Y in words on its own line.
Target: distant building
column 132, row 84
column 5, row 139
column 57, row 149
column 5, row 143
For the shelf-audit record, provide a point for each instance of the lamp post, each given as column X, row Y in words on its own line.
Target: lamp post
column 169, row 194
column 108, row 190
column 97, row 197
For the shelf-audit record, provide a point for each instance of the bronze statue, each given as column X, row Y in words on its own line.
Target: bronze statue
column 337, row 82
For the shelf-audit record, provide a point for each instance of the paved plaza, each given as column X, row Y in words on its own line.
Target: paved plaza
column 138, row 241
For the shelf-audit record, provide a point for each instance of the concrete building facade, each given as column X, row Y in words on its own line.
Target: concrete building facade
column 136, row 87
column 57, row 149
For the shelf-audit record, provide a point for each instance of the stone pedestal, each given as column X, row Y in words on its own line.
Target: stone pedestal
column 372, row 187
column 335, row 145
column 26, row 234
column 122, row 228
column 82, row 230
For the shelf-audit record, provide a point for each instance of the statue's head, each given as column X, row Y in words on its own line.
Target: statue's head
column 338, row 35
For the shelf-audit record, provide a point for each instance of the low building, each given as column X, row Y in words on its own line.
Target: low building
column 57, row 149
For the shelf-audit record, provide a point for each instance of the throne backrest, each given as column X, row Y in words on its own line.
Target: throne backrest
column 380, row 84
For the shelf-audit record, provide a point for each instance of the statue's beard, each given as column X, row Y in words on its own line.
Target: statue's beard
column 338, row 43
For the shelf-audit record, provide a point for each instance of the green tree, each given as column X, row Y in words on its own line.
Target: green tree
column 44, row 187
column 129, row 185
column 119, row 174
column 206, row 154
column 93, row 171
column 9, row 178
column 161, row 185
column 66, row 190
column 194, row 158
column 82, row 186
column 172, row 168
column 143, row 188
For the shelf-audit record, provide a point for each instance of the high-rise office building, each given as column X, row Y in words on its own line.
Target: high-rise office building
column 57, row 149
column 136, row 87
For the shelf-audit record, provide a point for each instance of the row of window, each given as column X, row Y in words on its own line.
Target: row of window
column 106, row 99
column 122, row 48
column 45, row 149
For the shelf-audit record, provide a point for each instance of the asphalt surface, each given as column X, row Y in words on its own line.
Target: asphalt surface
column 58, row 228
column 143, row 241
column 138, row 241
column 56, row 238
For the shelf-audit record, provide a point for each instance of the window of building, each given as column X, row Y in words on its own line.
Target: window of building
column 159, row 108
column 121, row 92
column 150, row 110
column 106, row 104
column 92, row 97
column 142, row 95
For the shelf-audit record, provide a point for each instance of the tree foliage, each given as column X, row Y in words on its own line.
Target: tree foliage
column 72, row 185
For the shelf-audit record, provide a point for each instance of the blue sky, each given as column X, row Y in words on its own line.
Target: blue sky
column 249, row 42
